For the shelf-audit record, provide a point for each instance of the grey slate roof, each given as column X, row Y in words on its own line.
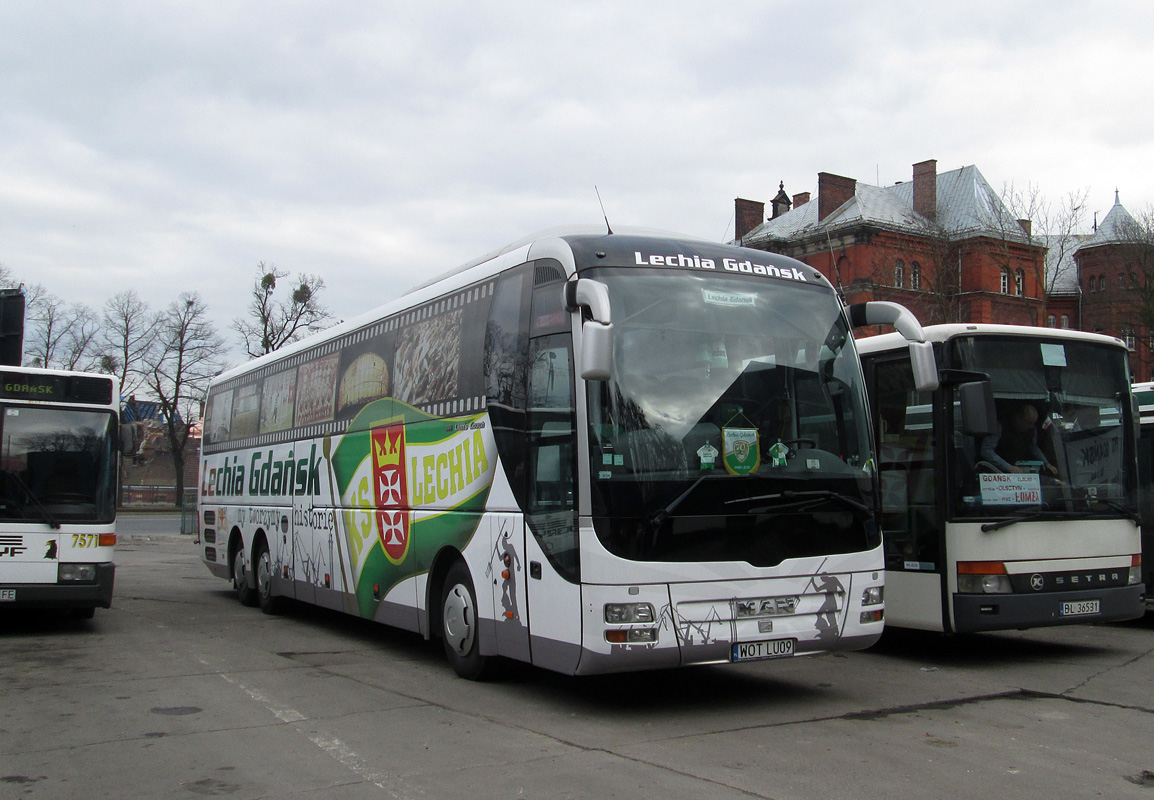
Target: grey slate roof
column 966, row 206
column 1117, row 226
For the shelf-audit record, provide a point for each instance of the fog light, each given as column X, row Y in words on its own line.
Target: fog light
column 631, row 636
column 625, row 613
column 77, row 572
column 872, row 596
column 872, row 616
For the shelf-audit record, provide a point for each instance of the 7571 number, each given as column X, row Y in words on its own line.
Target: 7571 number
column 85, row 540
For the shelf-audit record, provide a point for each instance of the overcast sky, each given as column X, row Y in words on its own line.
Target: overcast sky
column 171, row 146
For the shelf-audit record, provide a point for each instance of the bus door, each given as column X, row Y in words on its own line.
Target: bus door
column 551, row 540
column 912, row 519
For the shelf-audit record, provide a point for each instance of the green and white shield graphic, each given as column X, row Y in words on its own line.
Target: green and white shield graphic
column 742, row 455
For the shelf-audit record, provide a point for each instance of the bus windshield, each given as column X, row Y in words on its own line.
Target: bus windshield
column 734, row 428
column 57, row 465
column 1062, row 445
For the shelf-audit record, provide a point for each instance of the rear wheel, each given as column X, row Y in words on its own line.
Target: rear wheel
column 85, row 612
column 269, row 602
column 459, row 624
column 244, row 592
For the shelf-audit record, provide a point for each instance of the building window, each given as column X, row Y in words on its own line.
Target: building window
column 1101, row 283
column 1020, row 283
column 1121, row 280
column 1005, row 281
column 915, row 276
column 899, row 273
column 1092, row 285
column 1128, row 337
column 1065, row 320
column 1052, row 321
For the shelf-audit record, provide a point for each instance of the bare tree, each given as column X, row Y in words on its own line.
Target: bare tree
column 1029, row 218
column 78, row 346
column 44, row 326
column 272, row 323
column 188, row 353
column 126, row 337
column 1136, row 244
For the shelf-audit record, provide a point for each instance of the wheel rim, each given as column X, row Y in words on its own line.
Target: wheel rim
column 459, row 620
column 264, row 574
column 238, row 580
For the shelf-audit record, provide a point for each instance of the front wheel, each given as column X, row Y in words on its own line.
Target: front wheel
column 459, row 624
column 269, row 602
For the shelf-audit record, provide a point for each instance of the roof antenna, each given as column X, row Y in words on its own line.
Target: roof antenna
column 603, row 210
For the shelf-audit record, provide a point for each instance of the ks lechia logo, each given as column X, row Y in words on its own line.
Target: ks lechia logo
column 409, row 484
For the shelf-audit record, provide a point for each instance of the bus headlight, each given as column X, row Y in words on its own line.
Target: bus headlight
column 626, row 613
column 983, row 577
column 76, row 573
column 631, row 636
column 873, row 595
column 984, row 584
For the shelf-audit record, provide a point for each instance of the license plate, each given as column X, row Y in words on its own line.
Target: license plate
column 756, row 651
column 1080, row 607
column 7, row 595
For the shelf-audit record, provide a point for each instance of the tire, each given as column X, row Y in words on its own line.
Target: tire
column 459, row 625
column 269, row 602
column 86, row 612
column 245, row 593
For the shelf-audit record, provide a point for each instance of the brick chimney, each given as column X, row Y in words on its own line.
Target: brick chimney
column 832, row 192
column 800, row 199
column 926, row 189
column 748, row 214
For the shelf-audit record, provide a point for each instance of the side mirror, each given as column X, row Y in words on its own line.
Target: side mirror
column 878, row 312
column 127, row 439
column 597, row 332
column 979, row 416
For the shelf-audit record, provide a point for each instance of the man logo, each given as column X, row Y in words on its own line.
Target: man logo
column 1037, row 582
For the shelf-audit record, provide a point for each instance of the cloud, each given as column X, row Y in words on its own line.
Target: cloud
column 173, row 146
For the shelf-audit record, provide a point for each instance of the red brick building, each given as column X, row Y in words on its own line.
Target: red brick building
column 946, row 246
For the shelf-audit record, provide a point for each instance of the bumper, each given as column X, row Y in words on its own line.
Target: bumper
column 995, row 612
column 62, row 595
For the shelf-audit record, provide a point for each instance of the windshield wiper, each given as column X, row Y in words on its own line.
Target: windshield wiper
column 803, row 498
column 1128, row 513
column 658, row 517
column 1022, row 516
column 1031, row 515
column 52, row 523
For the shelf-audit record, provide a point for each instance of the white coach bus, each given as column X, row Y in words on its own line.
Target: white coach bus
column 591, row 452
column 1031, row 522
column 59, row 447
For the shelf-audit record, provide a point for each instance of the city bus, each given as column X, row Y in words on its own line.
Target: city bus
column 588, row 451
column 58, row 479
column 1029, row 520
column 1144, row 400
